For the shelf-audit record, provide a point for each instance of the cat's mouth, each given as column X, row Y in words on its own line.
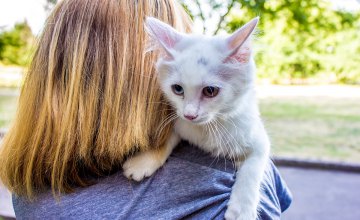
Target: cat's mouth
column 198, row 121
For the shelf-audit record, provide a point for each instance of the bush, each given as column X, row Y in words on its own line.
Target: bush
column 16, row 45
column 304, row 39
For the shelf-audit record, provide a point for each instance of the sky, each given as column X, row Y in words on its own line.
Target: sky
column 12, row 11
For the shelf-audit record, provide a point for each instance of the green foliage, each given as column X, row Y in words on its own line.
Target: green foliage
column 299, row 40
column 16, row 45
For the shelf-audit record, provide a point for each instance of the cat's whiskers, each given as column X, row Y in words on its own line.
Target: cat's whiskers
column 220, row 138
column 230, row 150
column 233, row 146
column 166, row 109
column 213, row 135
column 222, row 145
column 166, row 121
column 227, row 152
column 227, row 119
column 210, row 134
column 164, row 103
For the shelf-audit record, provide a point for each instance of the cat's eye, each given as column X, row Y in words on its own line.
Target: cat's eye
column 177, row 89
column 210, row 91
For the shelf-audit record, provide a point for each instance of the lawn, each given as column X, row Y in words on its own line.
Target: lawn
column 299, row 126
column 318, row 128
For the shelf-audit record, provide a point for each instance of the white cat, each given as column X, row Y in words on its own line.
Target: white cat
column 210, row 83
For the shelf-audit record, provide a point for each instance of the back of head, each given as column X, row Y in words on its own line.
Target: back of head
column 90, row 95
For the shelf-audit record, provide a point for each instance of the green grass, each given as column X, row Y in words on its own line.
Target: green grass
column 324, row 128
column 319, row 128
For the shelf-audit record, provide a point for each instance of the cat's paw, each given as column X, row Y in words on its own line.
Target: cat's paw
column 141, row 166
column 236, row 213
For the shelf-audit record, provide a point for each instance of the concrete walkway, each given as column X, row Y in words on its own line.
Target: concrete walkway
column 6, row 209
column 322, row 194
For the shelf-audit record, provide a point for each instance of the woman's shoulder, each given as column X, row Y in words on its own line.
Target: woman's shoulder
column 192, row 184
column 181, row 188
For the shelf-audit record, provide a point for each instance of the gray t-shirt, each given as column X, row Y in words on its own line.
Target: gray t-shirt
column 191, row 185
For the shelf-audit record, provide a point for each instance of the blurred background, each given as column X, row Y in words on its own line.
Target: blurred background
column 307, row 55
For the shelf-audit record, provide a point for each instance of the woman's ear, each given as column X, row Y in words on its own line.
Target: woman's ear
column 237, row 44
column 163, row 35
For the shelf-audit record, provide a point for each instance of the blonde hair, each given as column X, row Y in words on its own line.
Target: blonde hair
column 90, row 96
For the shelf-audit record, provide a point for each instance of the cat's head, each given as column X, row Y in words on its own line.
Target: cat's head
column 204, row 78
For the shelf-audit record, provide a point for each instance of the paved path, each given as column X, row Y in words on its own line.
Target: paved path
column 6, row 208
column 322, row 195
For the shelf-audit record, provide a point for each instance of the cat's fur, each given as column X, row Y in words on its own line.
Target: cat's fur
column 228, row 124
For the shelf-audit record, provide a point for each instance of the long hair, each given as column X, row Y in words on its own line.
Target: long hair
column 90, row 96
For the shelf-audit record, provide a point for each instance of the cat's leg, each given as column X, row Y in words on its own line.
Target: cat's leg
column 245, row 194
column 146, row 163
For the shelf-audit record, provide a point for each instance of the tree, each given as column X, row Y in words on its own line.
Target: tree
column 16, row 45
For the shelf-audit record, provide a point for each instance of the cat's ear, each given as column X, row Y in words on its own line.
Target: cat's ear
column 163, row 35
column 238, row 45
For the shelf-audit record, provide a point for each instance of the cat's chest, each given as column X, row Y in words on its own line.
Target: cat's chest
column 219, row 140
column 196, row 135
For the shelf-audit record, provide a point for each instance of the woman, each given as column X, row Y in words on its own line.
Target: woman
column 90, row 99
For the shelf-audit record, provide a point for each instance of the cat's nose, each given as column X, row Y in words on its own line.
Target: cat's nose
column 191, row 117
